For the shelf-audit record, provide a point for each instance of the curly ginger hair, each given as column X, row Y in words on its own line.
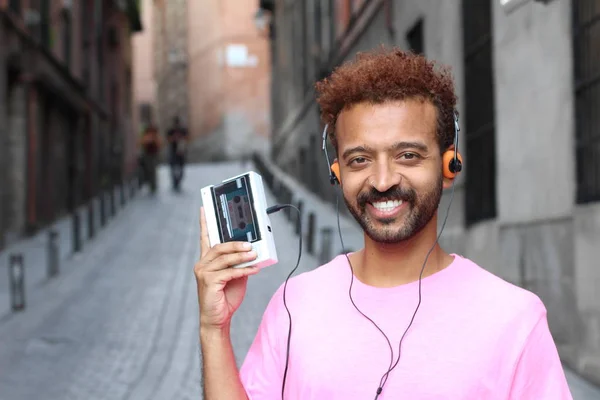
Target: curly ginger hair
column 380, row 76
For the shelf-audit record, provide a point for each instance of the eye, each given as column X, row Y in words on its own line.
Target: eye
column 409, row 156
column 358, row 160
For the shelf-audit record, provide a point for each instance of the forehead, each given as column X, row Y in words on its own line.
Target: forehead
column 386, row 123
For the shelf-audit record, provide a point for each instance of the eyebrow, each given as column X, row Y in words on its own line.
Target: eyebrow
column 395, row 147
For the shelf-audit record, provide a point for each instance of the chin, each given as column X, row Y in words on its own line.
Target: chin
column 388, row 232
column 393, row 231
column 388, row 237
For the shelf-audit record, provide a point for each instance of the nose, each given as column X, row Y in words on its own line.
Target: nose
column 385, row 176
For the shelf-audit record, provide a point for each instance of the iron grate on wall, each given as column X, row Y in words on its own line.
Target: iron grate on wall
column 586, row 42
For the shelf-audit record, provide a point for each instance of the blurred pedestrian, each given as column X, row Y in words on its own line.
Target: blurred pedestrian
column 177, row 136
column 150, row 143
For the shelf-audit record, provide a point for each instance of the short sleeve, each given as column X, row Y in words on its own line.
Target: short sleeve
column 539, row 373
column 262, row 370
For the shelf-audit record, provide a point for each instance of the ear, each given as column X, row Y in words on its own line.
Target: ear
column 335, row 168
column 448, row 183
column 447, row 159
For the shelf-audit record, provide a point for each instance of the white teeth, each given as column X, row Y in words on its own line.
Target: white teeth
column 387, row 205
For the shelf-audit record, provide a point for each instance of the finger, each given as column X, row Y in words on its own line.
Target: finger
column 221, row 278
column 226, row 248
column 204, row 243
column 229, row 260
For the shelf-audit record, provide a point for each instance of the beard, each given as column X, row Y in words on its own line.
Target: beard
column 421, row 208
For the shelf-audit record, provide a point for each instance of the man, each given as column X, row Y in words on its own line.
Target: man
column 474, row 336
column 177, row 137
column 150, row 143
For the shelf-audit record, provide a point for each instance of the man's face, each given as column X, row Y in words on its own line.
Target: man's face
column 390, row 166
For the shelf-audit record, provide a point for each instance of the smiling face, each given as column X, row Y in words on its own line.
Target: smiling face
column 390, row 165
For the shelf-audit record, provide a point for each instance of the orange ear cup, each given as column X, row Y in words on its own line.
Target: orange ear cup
column 447, row 158
column 335, row 168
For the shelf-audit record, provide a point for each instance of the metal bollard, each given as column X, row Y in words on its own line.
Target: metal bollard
column 53, row 253
column 113, row 203
column 280, row 192
column 122, row 194
column 326, row 243
column 16, row 275
column 299, row 218
column 91, row 219
column 76, row 232
column 275, row 190
column 310, row 234
column 102, row 209
column 290, row 200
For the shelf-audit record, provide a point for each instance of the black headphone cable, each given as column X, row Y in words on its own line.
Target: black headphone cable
column 271, row 210
column 385, row 376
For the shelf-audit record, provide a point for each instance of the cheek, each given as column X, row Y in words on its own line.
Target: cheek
column 424, row 177
column 350, row 191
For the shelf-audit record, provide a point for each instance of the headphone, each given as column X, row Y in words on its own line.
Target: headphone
column 451, row 159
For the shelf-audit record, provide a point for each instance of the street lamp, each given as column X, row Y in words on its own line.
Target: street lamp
column 261, row 19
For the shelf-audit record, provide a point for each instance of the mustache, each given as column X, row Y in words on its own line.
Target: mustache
column 393, row 193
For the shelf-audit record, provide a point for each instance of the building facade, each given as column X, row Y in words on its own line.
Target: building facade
column 144, row 87
column 229, row 77
column 212, row 69
column 527, row 205
column 65, row 96
column 170, row 42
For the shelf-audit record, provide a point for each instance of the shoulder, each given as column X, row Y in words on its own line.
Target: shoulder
column 509, row 303
column 314, row 283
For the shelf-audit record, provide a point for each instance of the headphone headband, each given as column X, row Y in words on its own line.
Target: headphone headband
column 332, row 178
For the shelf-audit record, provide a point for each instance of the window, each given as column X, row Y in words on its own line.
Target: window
column 45, row 24
column 332, row 26
column 304, row 48
column 586, row 41
column 414, row 38
column 479, row 121
column 66, row 37
column 15, row 6
column 318, row 37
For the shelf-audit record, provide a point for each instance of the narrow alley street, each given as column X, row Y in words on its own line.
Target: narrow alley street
column 120, row 322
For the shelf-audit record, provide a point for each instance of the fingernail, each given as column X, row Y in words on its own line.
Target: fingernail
column 247, row 246
column 251, row 254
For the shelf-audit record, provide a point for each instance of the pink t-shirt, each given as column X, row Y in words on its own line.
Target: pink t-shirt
column 475, row 336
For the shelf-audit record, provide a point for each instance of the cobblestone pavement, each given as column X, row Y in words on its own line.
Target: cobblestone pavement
column 120, row 321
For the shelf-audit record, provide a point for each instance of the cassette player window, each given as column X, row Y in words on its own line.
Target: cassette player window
column 236, row 216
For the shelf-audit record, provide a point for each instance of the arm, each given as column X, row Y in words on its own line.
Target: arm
column 220, row 373
column 220, row 293
column 539, row 373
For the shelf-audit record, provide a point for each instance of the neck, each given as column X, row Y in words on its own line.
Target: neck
column 388, row 265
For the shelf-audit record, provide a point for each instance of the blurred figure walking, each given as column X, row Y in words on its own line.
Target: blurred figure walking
column 177, row 136
column 150, row 143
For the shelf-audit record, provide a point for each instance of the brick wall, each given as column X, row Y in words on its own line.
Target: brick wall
column 229, row 75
